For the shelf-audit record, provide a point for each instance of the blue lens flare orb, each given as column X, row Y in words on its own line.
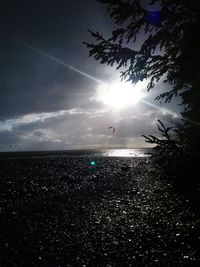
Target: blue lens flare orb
column 154, row 17
column 92, row 163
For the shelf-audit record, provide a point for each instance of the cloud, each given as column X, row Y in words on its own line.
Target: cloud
column 31, row 82
column 76, row 128
column 46, row 105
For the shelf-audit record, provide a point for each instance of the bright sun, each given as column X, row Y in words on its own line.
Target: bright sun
column 121, row 94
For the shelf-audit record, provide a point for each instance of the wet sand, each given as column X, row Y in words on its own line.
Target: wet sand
column 118, row 212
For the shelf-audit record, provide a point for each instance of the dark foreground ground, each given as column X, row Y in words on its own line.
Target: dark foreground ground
column 64, row 212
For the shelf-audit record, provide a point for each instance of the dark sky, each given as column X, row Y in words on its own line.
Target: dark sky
column 45, row 102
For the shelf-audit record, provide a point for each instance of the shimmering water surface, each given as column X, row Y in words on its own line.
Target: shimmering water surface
column 137, row 152
column 92, row 208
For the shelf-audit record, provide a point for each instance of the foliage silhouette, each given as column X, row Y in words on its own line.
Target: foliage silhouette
column 169, row 52
column 167, row 144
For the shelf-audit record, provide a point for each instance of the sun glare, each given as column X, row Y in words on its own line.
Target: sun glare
column 121, row 94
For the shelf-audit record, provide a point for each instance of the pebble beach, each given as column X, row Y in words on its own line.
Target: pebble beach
column 103, row 211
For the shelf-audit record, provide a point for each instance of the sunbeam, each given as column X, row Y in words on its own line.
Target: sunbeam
column 164, row 110
column 61, row 62
column 53, row 58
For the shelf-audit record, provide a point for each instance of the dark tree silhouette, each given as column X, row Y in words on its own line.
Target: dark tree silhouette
column 169, row 51
column 171, row 47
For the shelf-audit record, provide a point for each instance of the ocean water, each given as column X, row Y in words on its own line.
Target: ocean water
column 137, row 152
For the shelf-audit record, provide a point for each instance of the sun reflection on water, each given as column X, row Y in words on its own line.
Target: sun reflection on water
column 139, row 152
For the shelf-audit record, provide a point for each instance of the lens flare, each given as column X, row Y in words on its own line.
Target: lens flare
column 62, row 63
column 117, row 95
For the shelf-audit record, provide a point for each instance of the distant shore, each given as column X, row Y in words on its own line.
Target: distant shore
column 128, row 152
column 93, row 211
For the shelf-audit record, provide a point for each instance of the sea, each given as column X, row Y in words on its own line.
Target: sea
column 135, row 153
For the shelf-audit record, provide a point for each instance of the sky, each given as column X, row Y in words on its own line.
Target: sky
column 53, row 96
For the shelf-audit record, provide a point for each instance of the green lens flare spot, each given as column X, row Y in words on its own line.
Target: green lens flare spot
column 92, row 163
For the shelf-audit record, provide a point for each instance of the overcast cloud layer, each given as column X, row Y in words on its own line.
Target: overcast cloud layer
column 46, row 105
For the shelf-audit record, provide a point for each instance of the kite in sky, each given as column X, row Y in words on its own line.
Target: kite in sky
column 113, row 129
